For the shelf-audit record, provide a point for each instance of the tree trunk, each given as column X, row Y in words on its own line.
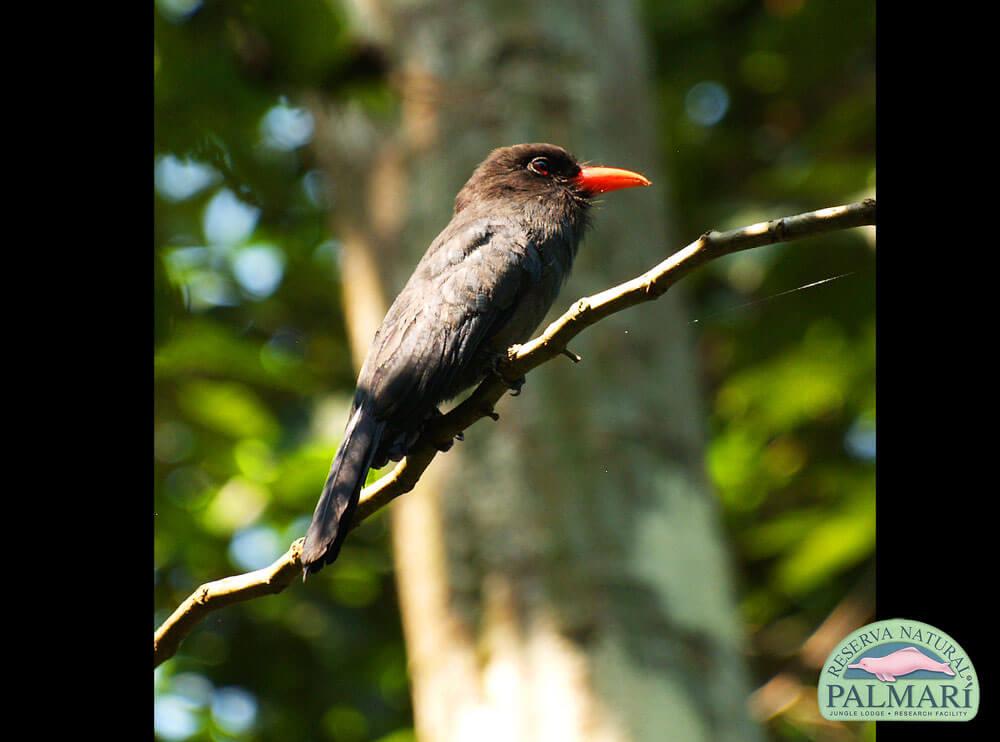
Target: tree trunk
column 562, row 574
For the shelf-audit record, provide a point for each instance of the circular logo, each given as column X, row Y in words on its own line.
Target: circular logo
column 898, row 670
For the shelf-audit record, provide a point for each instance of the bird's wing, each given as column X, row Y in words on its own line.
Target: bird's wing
column 463, row 289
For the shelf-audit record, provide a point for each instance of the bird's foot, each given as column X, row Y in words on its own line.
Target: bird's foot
column 514, row 386
column 396, row 447
column 446, row 446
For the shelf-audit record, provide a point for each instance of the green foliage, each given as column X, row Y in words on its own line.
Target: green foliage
column 767, row 108
column 790, row 379
column 252, row 382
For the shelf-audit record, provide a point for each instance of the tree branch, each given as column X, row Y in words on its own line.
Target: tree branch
column 218, row 594
column 521, row 359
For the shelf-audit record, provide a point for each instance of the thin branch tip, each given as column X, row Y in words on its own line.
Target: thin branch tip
column 571, row 355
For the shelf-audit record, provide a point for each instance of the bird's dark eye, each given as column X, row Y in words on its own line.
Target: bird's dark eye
column 539, row 165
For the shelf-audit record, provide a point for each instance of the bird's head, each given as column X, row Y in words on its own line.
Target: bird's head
column 546, row 173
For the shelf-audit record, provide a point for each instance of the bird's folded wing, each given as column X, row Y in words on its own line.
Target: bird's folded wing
column 459, row 296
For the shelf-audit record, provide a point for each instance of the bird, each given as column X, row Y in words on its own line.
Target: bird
column 484, row 284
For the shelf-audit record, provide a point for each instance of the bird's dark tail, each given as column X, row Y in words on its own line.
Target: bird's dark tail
column 335, row 509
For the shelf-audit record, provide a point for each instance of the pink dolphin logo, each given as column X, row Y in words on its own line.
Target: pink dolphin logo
column 900, row 662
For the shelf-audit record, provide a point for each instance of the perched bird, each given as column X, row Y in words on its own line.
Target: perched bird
column 485, row 283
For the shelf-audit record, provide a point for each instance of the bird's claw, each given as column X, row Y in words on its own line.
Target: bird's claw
column 514, row 386
column 444, row 447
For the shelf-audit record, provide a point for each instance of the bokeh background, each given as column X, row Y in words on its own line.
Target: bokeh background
column 764, row 108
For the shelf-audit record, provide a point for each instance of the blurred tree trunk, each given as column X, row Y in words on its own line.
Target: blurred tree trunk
column 562, row 574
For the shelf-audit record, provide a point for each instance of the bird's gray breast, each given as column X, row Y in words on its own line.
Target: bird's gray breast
column 545, row 272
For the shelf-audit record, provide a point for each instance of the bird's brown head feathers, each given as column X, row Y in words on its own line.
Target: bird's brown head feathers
column 546, row 173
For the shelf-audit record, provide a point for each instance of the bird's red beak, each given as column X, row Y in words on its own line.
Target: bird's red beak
column 596, row 180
